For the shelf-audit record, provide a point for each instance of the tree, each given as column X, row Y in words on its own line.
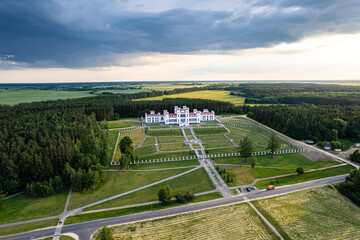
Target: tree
column 300, row 170
column 321, row 144
column 351, row 187
column 105, row 234
column 273, row 144
column 189, row 196
column 254, row 162
column 165, row 195
column 355, row 156
column 125, row 160
column 2, row 196
column 180, row 198
column 332, row 135
column 125, row 143
column 245, row 148
column 335, row 144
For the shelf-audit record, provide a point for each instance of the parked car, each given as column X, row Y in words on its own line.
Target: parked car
column 248, row 189
column 253, row 188
column 270, row 187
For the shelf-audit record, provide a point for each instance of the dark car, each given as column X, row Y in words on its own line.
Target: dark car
column 248, row 189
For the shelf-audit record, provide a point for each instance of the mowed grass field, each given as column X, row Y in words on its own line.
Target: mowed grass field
column 111, row 139
column 21, row 208
column 195, row 182
column 207, row 94
column 122, row 123
column 119, row 182
column 166, row 155
column 230, row 222
column 28, row 227
column 317, row 213
column 159, row 165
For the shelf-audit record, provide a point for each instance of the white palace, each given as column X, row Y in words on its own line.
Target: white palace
column 181, row 116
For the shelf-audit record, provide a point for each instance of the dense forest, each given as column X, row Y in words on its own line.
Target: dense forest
column 351, row 187
column 319, row 123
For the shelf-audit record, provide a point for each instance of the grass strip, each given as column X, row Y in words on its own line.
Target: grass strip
column 27, row 227
column 126, row 211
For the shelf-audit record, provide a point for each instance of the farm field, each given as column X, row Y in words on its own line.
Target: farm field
column 293, row 160
column 230, row 222
column 246, row 175
column 195, row 182
column 305, row 177
column 21, row 208
column 160, row 165
column 111, row 187
column 317, row 213
column 170, row 86
column 132, row 210
column 206, row 94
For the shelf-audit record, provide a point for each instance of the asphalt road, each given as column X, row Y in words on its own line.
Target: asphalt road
column 84, row 230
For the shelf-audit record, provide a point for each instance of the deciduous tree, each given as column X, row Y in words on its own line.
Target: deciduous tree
column 245, row 148
column 273, row 144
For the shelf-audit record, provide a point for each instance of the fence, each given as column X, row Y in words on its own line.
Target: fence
column 210, row 156
column 240, row 125
column 129, row 129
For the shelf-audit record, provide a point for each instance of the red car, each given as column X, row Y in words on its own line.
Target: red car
column 270, row 187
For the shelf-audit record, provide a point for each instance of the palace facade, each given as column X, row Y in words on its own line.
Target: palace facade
column 181, row 116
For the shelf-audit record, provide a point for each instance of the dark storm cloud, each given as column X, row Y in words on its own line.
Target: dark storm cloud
column 40, row 34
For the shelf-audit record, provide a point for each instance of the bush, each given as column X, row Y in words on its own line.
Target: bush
column 105, row 234
column 165, row 195
column 180, row 198
column 189, row 196
column 321, row 144
column 300, row 170
column 335, row 144
column 355, row 157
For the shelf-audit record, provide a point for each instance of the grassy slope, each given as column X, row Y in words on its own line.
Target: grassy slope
column 122, row 123
column 210, row 94
column 170, row 139
column 168, row 155
column 293, row 160
column 111, row 139
column 207, row 131
column 174, row 147
column 136, row 136
column 149, row 141
column 27, row 227
column 230, row 222
column 305, row 177
column 145, row 150
column 172, row 132
column 125, row 211
column 196, row 181
column 21, row 208
column 318, row 213
column 119, row 182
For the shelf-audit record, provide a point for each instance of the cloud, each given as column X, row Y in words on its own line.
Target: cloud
column 80, row 34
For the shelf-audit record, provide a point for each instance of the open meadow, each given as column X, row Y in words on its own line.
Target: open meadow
column 317, row 213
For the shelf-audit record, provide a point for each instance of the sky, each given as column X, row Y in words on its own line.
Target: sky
column 126, row 40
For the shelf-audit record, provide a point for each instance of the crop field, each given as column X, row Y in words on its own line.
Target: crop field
column 21, row 208
column 217, row 144
column 173, row 147
column 169, row 86
column 149, row 141
column 171, row 139
column 111, row 187
column 293, row 160
column 174, row 132
column 160, row 165
column 207, row 94
column 230, row 222
column 207, row 131
column 195, row 182
column 318, row 213
column 145, row 150
column 305, row 177
column 170, row 155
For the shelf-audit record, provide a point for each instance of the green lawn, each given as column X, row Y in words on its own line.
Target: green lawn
column 111, row 139
column 170, row 139
column 145, row 150
column 167, row 155
column 246, row 175
column 187, row 132
column 122, row 123
column 316, row 213
column 207, row 131
column 159, row 165
column 149, row 141
column 223, row 150
column 27, row 227
column 293, row 160
column 119, row 182
column 217, row 144
column 173, row 147
column 21, row 208
column 126, row 211
column 196, row 181
column 213, row 138
column 305, row 177
column 207, row 94
column 155, row 133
